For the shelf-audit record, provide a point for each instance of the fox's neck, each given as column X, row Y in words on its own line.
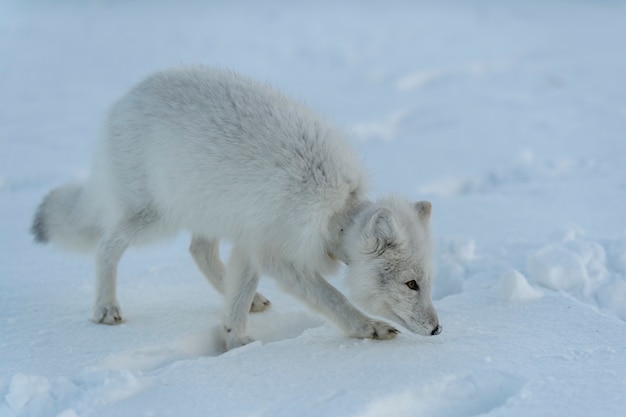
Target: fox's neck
column 342, row 227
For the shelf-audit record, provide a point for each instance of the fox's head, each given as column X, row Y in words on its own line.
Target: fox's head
column 390, row 269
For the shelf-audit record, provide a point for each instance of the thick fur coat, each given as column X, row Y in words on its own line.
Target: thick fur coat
column 225, row 157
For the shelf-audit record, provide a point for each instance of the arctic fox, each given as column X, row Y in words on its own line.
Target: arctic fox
column 226, row 157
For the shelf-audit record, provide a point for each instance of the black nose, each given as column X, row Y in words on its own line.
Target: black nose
column 436, row 330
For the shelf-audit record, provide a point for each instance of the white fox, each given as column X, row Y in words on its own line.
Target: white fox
column 229, row 158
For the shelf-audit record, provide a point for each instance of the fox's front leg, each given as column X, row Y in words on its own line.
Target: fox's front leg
column 239, row 290
column 319, row 294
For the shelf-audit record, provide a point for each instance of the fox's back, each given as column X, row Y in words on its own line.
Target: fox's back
column 209, row 147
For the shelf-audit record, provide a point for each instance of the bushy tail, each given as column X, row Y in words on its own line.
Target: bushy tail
column 67, row 219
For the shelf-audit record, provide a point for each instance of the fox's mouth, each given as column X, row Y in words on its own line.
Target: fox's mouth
column 403, row 322
column 406, row 325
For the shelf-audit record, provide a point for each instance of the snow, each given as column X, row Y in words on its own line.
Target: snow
column 513, row 286
column 508, row 116
column 579, row 267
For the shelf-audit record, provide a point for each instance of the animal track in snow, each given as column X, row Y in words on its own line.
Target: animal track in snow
column 474, row 394
column 525, row 168
column 280, row 326
column 471, row 395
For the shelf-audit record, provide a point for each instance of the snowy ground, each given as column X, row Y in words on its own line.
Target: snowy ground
column 509, row 116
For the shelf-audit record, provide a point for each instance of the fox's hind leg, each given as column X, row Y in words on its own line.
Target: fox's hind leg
column 141, row 225
column 110, row 250
column 206, row 254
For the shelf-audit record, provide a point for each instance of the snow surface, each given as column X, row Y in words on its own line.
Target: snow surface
column 509, row 116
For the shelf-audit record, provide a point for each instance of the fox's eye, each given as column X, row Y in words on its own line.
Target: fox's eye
column 412, row 284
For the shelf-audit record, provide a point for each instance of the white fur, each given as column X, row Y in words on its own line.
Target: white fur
column 230, row 158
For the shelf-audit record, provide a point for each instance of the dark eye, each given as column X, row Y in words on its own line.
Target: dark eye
column 412, row 284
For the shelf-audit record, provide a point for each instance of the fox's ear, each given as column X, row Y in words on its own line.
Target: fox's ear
column 381, row 231
column 424, row 208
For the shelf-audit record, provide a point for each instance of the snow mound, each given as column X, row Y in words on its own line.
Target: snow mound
column 585, row 269
column 386, row 129
column 419, row 79
column 475, row 69
column 513, row 286
column 26, row 389
column 455, row 257
column 36, row 395
column 616, row 253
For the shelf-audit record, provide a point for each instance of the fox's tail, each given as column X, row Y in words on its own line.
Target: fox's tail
column 66, row 218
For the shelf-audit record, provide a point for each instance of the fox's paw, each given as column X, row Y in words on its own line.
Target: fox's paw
column 108, row 314
column 259, row 303
column 377, row 330
column 232, row 341
column 383, row 331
